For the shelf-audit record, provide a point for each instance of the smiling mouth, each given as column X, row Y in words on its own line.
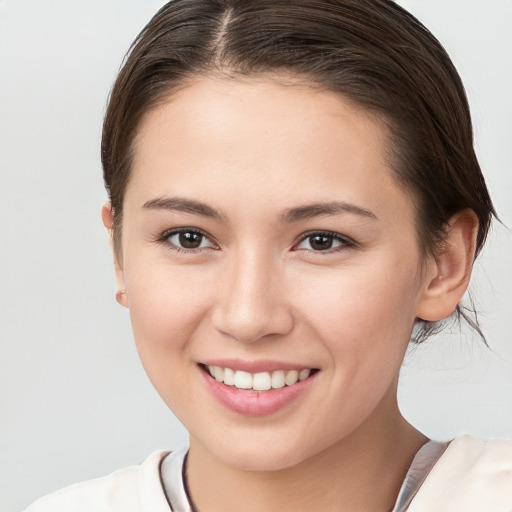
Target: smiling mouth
column 261, row 381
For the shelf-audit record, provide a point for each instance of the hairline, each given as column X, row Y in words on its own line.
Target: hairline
column 285, row 77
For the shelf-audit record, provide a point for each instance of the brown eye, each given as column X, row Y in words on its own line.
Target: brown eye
column 189, row 239
column 323, row 242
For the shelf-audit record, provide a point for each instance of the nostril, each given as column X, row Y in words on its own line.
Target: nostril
column 249, row 325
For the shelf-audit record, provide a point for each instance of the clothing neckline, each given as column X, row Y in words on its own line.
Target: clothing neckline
column 173, row 465
column 423, row 462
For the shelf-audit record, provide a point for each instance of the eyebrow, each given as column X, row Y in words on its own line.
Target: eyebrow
column 181, row 204
column 289, row 216
column 319, row 209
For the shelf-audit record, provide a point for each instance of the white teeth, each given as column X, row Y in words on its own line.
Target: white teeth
column 218, row 373
column 278, row 379
column 303, row 374
column 262, row 381
column 291, row 377
column 243, row 380
column 229, row 376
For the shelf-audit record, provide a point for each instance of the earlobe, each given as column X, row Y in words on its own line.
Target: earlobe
column 121, row 297
column 108, row 221
column 450, row 271
column 107, row 216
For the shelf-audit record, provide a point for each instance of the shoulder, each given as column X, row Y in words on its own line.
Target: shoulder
column 131, row 489
column 471, row 476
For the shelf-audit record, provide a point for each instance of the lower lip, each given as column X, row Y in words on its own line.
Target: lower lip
column 255, row 403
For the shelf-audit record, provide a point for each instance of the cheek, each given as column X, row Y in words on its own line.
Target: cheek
column 364, row 314
column 167, row 308
column 165, row 297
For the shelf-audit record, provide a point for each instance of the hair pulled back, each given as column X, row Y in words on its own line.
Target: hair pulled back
column 371, row 51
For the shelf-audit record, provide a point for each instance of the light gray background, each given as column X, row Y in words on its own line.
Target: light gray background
column 74, row 400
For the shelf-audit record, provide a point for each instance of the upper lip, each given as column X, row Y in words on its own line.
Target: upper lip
column 261, row 365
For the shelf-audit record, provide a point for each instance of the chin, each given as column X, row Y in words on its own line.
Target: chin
column 262, row 460
column 264, row 455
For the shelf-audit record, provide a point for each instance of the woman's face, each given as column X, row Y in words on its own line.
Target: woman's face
column 263, row 233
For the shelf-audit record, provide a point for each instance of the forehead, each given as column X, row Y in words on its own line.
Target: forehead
column 268, row 105
column 274, row 137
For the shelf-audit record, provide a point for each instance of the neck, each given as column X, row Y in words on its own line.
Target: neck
column 363, row 471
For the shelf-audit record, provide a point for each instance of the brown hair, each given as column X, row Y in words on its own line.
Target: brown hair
column 371, row 51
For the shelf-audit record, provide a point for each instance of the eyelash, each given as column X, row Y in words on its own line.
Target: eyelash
column 165, row 239
column 345, row 243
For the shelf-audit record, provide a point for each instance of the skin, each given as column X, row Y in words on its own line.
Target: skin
column 253, row 151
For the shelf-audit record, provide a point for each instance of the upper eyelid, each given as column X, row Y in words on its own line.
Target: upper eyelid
column 184, row 229
column 169, row 232
column 339, row 236
column 303, row 236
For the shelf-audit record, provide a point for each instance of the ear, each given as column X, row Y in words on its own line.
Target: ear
column 450, row 271
column 107, row 216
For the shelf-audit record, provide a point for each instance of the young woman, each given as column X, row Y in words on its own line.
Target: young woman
column 294, row 194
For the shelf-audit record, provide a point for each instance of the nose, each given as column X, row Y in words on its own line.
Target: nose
column 252, row 301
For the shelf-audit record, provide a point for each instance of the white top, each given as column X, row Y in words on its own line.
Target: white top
column 471, row 475
column 421, row 466
column 172, row 471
